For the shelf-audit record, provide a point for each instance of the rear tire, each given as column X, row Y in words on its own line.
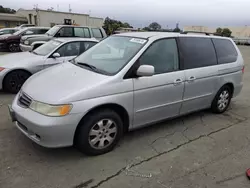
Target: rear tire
column 222, row 100
column 14, row 47
column 99, row 132
column 14, row 80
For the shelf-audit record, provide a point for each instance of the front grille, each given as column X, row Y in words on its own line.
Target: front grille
column 24, row 100
column 22, row 41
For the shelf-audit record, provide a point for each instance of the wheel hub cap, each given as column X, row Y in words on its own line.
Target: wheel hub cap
column 223, row 100
column 102, row 134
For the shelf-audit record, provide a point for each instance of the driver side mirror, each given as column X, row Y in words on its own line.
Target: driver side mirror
column 56, row 55
column 145, row 70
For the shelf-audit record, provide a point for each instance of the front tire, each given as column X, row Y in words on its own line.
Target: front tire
column 222, row 100
column 99, row 132
column 14, row 47
column 14, row 80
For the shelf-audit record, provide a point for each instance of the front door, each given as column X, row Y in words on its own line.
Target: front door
column 160, row 96
column 201, row 73
column 67, row 52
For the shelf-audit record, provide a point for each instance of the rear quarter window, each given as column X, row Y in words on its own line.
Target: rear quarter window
column 225, row 50
column 197, row 52
column 97, row 33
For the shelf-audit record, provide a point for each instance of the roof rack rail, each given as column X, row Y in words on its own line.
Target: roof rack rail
column 206, row 33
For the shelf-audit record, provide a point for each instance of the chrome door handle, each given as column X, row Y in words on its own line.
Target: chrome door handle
column 177, row 81
column 191, row 78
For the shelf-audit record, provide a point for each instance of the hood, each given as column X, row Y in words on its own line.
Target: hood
column 39, row 38
column 32, row 36
column 5, row 35
column 64, row 83
column 19, row 59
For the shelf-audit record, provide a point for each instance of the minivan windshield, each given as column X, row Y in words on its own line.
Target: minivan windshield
column 53, row 31
column 112, row 54
column 47, row 48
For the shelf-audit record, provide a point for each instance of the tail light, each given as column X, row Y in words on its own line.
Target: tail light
column 243, row 69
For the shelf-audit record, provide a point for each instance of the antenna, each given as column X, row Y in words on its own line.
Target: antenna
column 70, row 8
column 57, row 7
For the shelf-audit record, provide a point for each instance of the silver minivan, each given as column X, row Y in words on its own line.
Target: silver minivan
column 125, row 82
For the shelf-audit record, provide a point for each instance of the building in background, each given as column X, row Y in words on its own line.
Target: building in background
column 238, row 32
column 49, row 18
column 11, row 20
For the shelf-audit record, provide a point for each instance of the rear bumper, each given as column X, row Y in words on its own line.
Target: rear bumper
column 25, row 48
column 237, row 89
column 2, row 74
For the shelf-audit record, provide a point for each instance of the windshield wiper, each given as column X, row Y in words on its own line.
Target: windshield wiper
column 87, row 65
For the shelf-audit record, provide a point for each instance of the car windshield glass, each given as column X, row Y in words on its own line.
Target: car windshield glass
column 52, row 31
column 111, row 54
column 47, row 48
column 20, row 31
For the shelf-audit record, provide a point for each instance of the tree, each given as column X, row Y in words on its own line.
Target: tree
column 126, row 25
column 177, row 29
column 219, row 31
column 7, row 10
column 154, row 26
column 110, row 25
column 225, row 32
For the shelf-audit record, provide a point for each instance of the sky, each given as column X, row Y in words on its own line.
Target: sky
column 140, row 13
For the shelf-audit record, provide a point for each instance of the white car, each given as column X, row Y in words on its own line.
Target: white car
column 16, row 68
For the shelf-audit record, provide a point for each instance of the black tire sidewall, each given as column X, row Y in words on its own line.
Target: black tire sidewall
column 82, row 134
column 11, row 44
column 214, row 106
column 7, row 78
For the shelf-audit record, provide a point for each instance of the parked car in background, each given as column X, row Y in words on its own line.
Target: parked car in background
column 124, row 82
column 31, row 42
column 16, row 68
column 5, row 31
column 25, row 25
column 12, row 41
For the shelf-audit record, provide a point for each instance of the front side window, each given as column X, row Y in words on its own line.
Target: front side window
column 86, row 45
column 197, row 52
column 65, row 32
column 69, row 49
column 225, row 50
column 47, row 48
column 97, row 33
column 41, row 31
column 162, row 55
column 112, row 54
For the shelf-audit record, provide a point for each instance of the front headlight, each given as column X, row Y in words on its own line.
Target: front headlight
column 26, row 42
column 50, row 110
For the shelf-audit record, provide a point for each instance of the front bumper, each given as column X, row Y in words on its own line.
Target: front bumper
column 26, row 48
column 51, row 132
column 3, row 45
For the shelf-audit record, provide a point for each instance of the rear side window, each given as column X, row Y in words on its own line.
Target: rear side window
column 225, row 50
column 97, row 33
column 197, row 52
column 86, row 33
column 79, row 32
